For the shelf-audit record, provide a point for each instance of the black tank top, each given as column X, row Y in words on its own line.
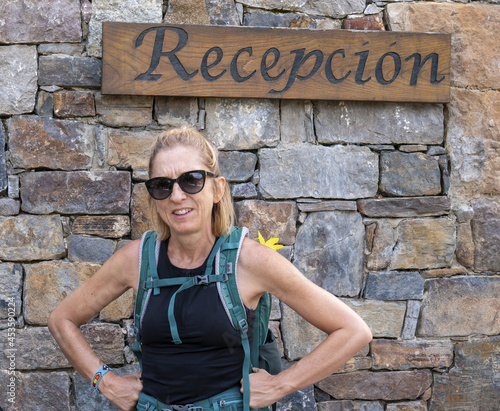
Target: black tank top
column 210, row 358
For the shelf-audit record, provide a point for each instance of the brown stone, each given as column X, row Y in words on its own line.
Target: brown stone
column 460, row 306
column 405, row 355
column 271, row 219
column 356, row 364
column 76, row 192
column 119, row 309
column 475, row 47
column 107, row 340
column 176, row 111
column 44, row 142
column 465, row 245
column 382, row 245
column 74, row 104
column 124, row 111
column 115, row 226
column 412, row 148
column 424, row 243
column 405, row 207
column 444, row 272
column 420, row 405
column 486, row 234
column 332, row 205
column 48, row 283
column 366, row 385
column 187, row 12
column 364, row 23
column 30, row 237
column 130, row 149
column 349, row 405
column 141, row 221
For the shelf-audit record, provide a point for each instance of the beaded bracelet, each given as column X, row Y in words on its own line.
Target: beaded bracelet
column 98, row 376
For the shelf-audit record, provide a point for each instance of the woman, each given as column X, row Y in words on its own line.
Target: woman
column 188, row 221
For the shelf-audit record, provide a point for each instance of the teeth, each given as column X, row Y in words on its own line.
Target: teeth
column 181, row 212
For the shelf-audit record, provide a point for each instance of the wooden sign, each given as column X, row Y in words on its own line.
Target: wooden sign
column 255, row 62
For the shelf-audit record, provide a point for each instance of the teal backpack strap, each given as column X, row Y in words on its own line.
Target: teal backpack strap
column 148, row 243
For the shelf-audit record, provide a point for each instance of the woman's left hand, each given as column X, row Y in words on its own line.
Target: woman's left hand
column 263, row 389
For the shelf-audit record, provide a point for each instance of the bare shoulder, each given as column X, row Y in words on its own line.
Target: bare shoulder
column 125, row 264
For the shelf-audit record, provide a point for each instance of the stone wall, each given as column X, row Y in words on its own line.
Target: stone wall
column 395, row 208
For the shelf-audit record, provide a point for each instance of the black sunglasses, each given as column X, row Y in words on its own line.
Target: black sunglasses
column 191, row 182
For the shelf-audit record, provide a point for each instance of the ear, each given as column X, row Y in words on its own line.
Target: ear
column 220, row 188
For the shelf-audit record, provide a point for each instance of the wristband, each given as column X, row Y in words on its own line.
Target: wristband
column 98, row 376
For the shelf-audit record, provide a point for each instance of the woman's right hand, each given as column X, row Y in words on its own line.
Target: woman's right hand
column 123, row 391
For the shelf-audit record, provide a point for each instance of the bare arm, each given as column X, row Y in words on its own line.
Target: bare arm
column 262, row 270
column 115, row 277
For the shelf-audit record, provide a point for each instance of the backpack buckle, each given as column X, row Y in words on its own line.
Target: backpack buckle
column 200, row 279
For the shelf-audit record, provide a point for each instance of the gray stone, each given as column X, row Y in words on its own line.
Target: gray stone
column 394, row 286
column 3, row 164
column 436, row 151
column 88, row 399
column 411, row 319
column 424, row 243
column 176, row 111
column 223, row 13
column 74, row 104
column 419, row 405
column 444, row 167
column 69, row 71
column 18, row 82
column 468, row 157
column 44, row 104
column 381, row 245
column 332, row 205
column 103, row 226
column 11, row 287
column 91, row 249
column 129, row 11
column 237, row 166
column 235, row 124
column 245, row 190
column 379, row 123
column 58, row 48
column 486, row 234
column 329, row 251
column 124, row 111
column 336, row 9
column 129, row 149
column 30, row 237
column 37, row 142
column 350, row 405
column 299, row 400
column 409, row 174
column 345, row 172
column 460, row 306
column 264, row 18
column 405, row 207
column 297, row 122
column 9, row 206
column 76, row 192
column 42, row 22
column 13, row 186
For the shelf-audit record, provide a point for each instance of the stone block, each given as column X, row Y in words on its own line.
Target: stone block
column 38, row 391
column 223, row 13
column 9, row 206
column 384, row 318
column 11, row 288
column 64, row 48
column 187, row 12
column 381, row 240
column 465, row 245
column 13, row 186
column 356, row 364
column 44, row 142
column 300, row 400
column 42, row 22
column 297, row 124
column 44, row 104
column 235, row 124
column 349, row 405
column 460, row 306
column 119, row 309
column 473, row 382
column 474, row 28
column 69, row 71
column 367, row 385
column 237, row 166
column 31, row 237
column 273, row 220
column 409, row 174
column 405, row 355
column 341, row 172
column 329, row 251
column 331, row 205
column 407, row 285
column 419, row 405
column 405, row 207
column 74, row 104
column 91, row 249
column 76, row 192
column 48, row 283
column 424, row 243
column 379, row 123
column 129, row 149
column 411, row 319
column 130, row 11
column 264, row 18
column 486, row 234
column 107, row 340
column 141, row 221
column 372, row 22
column 244, row 190
column 124, row 111
column 337, row 9
column 176, row 111
column 114, row 226
column 18, row 82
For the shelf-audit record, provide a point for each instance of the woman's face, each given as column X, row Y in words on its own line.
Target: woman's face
column 186, row 213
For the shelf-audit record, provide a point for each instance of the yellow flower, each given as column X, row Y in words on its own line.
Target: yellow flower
column 271, row 243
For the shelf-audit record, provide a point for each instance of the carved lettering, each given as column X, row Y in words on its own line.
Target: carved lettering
column 417, row 67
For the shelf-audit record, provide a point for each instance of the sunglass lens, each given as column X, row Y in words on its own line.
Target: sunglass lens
column 192, row 182
column 159, row 189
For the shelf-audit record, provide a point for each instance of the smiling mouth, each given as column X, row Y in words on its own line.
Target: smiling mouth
column 184, row 211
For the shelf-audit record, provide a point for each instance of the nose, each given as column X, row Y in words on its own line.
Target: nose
column 177, row 193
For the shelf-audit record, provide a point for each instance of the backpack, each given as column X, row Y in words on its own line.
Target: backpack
column 263, row 352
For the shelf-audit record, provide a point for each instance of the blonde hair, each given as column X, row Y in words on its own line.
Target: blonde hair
column 223, row 215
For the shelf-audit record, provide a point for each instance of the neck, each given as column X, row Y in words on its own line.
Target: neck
column 190, row 251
